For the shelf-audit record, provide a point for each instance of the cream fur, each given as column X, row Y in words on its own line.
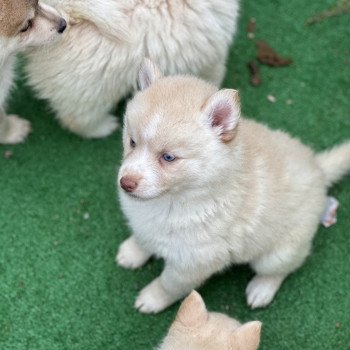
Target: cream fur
column 236, row 193
column 197, row 329
column 46, row 22
column 85, row 75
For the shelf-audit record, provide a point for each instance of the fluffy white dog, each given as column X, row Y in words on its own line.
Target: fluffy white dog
column 97, row 63
column 23, row 24
column 204, row 189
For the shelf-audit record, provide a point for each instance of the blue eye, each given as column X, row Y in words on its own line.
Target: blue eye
column 168, row 157
column 132, row 143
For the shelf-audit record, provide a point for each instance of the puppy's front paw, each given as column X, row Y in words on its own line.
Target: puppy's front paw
column 153, row 298
column 17, row 130
column 131, row 255
column 261, row 290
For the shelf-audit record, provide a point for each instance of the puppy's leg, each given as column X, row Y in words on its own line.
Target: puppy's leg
column 13, row 129
column 172, row 285
column 131, row 255
column 271, row 270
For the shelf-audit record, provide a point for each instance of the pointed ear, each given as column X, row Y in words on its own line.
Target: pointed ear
column 223, row 112
column 247, row 336
column 192, row 312
column 148, row 74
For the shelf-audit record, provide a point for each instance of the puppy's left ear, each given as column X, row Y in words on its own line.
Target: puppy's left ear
column 223, row 111
column 149, row 73
column 247, row 336
column 192, row 312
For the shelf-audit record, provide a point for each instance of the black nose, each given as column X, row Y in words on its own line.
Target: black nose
column 62, row 26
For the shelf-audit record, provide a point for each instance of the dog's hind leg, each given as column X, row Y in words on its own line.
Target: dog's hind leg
column 90, row 125
column 271, row 270
column 214, row 73
column 88, row 118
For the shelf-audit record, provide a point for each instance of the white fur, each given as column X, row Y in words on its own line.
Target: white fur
column 85, row 75
column 12, row 128
column 150, row 130
column 246, row 194
column 130, row 256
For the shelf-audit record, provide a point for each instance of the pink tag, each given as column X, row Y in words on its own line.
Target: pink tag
column 329, row 216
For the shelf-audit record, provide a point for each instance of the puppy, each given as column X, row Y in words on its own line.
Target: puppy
column 204, row 189
column 197, row 329
column 23, row 24
column 97, row 63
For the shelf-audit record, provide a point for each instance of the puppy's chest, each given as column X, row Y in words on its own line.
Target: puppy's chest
column 178, row 234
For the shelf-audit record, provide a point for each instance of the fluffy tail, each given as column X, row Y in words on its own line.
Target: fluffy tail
column 335, row 162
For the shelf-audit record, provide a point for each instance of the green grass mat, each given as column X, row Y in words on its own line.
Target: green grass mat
column 60, row 223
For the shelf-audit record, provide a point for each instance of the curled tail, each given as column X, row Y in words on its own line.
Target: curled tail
column 335, row 162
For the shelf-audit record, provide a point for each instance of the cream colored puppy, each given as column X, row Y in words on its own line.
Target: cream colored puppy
column 23, row 24
column 197, row 329
column 97, row 62
column 203, row 189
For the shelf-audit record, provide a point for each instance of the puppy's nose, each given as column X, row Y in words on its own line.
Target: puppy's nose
column 128, row 184
column 62, row 26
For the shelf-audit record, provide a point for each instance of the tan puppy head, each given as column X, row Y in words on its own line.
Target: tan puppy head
column 175, row 128
column 197, row 329
column 27, row 23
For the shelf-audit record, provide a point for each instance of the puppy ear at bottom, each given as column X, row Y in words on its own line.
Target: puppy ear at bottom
column 192, row 312
column 223, row 112
column 149, row 73
column 247, row 336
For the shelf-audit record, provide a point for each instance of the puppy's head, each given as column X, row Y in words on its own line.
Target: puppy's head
column 177, row 133
column 196, row 328
column 27, row 23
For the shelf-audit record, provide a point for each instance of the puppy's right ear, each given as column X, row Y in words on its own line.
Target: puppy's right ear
column 192, row 312
column 149, row 73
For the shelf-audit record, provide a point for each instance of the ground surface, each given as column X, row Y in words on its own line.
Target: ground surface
column 60, row 223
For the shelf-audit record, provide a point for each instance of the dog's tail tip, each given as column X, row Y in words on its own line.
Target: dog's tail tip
column 335, row 162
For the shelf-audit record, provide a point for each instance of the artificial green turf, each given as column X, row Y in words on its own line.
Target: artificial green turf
column 59, row 286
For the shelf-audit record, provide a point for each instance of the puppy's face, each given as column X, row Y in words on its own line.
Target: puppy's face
column 197, row 329
column 27, row 23
column 176, row 132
